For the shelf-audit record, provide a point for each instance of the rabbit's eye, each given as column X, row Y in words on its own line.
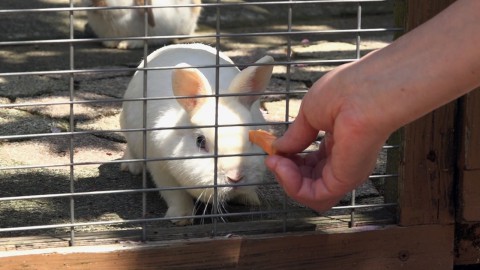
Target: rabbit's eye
column 202, row 143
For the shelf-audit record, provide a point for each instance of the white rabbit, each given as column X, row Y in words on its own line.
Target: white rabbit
column 117, row 23
column 193, row 142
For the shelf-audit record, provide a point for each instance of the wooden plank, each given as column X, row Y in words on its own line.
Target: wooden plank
column 471, row 131
column 469, row 188
column 467, row 247
column 467, row 235
column 417, row 247
column 418, row 11
column 427, row 169
column 158, row 233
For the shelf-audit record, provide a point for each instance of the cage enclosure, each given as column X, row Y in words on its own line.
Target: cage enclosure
column 65, row 202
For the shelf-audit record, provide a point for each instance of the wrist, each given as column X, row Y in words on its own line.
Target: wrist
column 365, row 92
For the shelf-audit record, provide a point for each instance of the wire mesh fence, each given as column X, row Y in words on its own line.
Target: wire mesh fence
column 62, row 87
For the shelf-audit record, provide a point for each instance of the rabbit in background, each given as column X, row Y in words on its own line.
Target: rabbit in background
column 193, row 144
column 118, row 23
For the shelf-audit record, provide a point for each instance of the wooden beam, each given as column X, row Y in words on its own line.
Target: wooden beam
column 467, row 233
column 469, row 158
column 164, row 233
column 471, row 131
column 428, row 167
column 470, row 196
column 419, row 11
column 418, row 247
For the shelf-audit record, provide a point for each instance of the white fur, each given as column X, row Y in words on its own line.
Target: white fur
column 181, row 143
column 117, row 23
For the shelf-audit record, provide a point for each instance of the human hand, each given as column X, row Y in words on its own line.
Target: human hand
column 361, row 103
column 347, row 154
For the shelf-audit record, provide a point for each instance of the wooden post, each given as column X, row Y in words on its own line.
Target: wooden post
column 468, row 216
column 418, row 247
column 429, row 179
column 427, row 170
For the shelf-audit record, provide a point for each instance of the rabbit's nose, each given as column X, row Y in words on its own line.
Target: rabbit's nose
column 234, row 176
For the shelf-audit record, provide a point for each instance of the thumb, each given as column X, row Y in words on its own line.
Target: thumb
column 299, row 135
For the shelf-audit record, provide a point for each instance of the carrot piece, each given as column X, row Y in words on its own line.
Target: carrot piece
column 263, row 139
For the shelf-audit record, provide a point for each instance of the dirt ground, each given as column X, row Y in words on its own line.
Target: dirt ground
column 32, row 104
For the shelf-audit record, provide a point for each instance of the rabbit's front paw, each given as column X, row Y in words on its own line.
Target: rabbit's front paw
column 175, row 212
column 110, row 43
column 130, row 44
column 134, row 168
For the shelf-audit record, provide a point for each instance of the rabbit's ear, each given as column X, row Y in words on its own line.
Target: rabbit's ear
column 253, row 79
column 99, row 3
column 150, row 17
column 189, row 82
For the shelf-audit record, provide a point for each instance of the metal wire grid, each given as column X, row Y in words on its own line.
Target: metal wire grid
column 218, row 35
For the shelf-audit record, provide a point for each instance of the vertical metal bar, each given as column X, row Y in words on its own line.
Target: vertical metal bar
column 144, row 125
column 357, row 55
column 217, row 99
column 352, row 211
column 359, row 26
column 72, row 125
column 287, row 95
